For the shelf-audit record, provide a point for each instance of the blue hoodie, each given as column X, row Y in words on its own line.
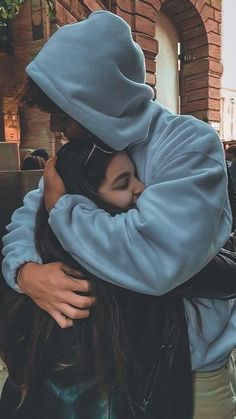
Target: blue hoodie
column 95, row 73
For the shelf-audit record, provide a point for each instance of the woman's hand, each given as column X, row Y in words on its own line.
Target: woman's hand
column 53, row 287
column 53, row 186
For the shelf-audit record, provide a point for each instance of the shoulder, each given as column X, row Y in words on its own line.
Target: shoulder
column 185, row 134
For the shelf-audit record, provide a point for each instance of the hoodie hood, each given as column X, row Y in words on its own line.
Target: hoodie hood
column 95, row 72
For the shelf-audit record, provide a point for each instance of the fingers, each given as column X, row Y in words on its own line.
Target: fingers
column 62, row 277
column 65, row 318
column 78, row 285
column 72, row 272
column 79, row 301
column 74, row 313
column 63, row 321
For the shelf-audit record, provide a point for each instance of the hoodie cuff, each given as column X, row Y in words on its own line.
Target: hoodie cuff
column 15, row 270
column 69, row 201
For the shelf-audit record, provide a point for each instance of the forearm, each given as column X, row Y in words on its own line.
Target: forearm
column 19, row 243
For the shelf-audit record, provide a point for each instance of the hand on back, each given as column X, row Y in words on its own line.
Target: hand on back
column 54, row 287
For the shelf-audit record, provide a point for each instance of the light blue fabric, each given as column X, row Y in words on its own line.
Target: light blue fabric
column 211, row 347
column 84, row 64
column 182, row 218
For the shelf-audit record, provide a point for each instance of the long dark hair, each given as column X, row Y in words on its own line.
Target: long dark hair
column 31, row 343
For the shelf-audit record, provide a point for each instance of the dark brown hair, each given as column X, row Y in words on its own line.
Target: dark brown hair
column 31, row 343
column 29, row 94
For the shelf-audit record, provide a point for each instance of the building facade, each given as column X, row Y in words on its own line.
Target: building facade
column 183, row 37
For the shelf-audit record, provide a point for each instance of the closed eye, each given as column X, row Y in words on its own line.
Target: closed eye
column 123, row 186
column 122, row 181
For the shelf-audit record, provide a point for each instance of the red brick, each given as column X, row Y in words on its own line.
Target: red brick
column 215, row 67
column 63, row 16
column 186, row 14
column 212, row 26
column 126, row 16
column 214, row 115
column 214, row 38
column 149, row 55
column 144, row 25
column 191, row 23
column 215, row 82
column 216, row 4
column 146, row 10
column 207, row 13
column 196, row 94
column 202, row 115
column 197, row 105
column 196, row 42
column 196, row 83
column 7, row 75
column 214, row 51
column 198, row 53
column 93, row 4
column 173, row 7
column 200, row 4
column 192, row 33
column 146, row 42
column 150, row 65
column 155, row 4
column 75, row 8
column 151, row 79
column 196, row 67
column 214, row 93
column 126, row 6
column 214, row 104
column 218, row 16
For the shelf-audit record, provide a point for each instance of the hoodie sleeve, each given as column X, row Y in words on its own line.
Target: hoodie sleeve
column 181, row 222
column 19, row 246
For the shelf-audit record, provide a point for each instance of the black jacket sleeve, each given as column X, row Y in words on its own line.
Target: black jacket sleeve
column 216, row 280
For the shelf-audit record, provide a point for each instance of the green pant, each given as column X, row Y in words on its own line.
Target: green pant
column 215, row 393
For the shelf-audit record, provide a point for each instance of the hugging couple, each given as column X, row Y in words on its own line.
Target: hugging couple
column 124, row 305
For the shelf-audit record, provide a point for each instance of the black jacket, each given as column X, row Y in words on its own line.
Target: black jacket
column 160, row 376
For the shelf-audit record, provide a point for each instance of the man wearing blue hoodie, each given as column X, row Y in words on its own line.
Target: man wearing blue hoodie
column 95, row 73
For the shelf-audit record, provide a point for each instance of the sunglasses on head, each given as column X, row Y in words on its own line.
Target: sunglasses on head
column 94, row 147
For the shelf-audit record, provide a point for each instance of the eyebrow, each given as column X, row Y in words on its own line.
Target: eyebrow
column 121, row 176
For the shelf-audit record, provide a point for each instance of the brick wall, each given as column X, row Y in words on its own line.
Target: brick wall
column 198, row 23
column 30, row 30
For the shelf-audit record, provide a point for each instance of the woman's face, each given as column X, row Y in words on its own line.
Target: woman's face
column 121, row 186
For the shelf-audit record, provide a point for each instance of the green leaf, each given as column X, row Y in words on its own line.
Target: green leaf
column 10, row 8
column 4, row 14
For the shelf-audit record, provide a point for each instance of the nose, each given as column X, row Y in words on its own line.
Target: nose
column 138, row 189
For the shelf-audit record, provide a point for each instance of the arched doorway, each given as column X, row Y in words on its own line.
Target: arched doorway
column 167, row 64
column 194, row 58
column 197, row 24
